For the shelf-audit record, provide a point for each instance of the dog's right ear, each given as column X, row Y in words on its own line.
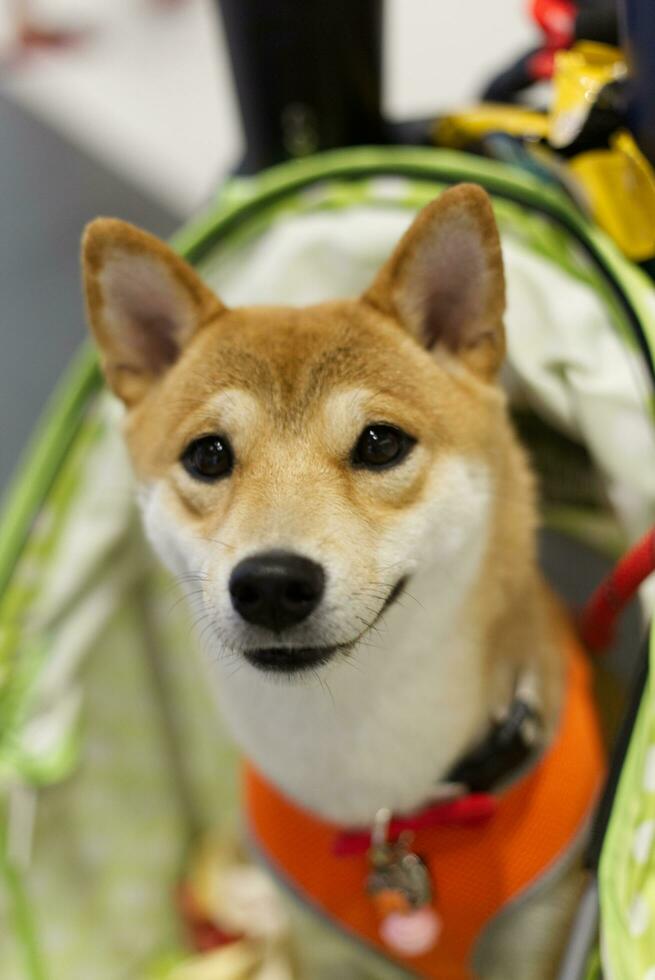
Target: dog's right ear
column 144, row 303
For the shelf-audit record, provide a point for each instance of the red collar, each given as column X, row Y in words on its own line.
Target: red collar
column 506, row 749
column 466, row 811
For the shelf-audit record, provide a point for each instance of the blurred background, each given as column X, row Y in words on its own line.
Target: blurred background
column 146, row 86
column 127, row 107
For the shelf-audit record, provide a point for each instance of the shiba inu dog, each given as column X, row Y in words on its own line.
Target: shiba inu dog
column 342, row 484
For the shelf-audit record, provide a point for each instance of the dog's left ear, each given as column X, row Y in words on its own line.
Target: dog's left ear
column 444, row 281
column 144, row 304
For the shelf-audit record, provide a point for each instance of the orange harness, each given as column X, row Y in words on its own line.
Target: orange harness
column 476, row 870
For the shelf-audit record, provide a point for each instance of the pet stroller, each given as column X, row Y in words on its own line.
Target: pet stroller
column 112, row 758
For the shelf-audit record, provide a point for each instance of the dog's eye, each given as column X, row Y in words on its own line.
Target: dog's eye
column 208, row 458
column 380, row 446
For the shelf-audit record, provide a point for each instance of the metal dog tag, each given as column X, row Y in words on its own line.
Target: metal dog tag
column 401, row 891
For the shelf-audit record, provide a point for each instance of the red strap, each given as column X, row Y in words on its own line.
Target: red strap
column 556, row 18
column 600, row 615
column 204, row 934
column 541, row 64
column 467, row 811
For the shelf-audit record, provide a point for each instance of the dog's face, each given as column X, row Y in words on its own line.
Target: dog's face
column 297, row 466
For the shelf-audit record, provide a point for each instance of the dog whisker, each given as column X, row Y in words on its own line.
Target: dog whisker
column 222, row 544
column 323, row 682
column 189, row 597
column 413, row 597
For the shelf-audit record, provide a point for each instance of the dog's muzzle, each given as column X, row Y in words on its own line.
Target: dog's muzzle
column 277, row 590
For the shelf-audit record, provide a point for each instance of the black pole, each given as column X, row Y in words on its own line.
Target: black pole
column 637, row 22
column 308, row 75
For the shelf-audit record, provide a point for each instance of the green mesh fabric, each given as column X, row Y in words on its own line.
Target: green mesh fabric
column 627, row 870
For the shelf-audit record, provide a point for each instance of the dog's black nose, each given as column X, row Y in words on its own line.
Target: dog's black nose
column 276, row 589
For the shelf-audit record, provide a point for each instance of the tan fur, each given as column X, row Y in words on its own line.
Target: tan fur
column 480, row 341
column 108, row 237
column 292, row 389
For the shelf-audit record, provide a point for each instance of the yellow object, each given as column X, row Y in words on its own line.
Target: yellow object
column 580, row 74
column 239, row 961
column 461, row 128
column 235, row 894
column 619, row 184
column 239, row 897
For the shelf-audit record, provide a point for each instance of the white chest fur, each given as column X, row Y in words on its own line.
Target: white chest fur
column 378, row 729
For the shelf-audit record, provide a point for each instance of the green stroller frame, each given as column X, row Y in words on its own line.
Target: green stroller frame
column 105, row 777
